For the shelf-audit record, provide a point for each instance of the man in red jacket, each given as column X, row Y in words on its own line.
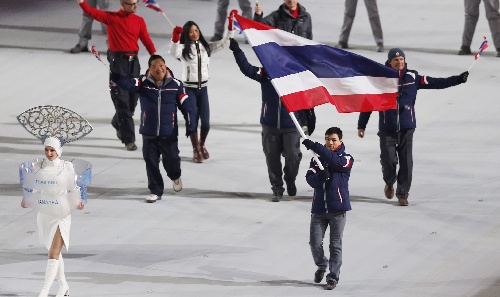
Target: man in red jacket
column 125, row 28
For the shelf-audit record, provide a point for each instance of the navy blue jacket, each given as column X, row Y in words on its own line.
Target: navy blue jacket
column 403, row 117
column 159, row 104
column 333, row 194
column 273, row 112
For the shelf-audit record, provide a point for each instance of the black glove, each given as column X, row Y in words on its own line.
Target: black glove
column 308, row 143
column 324, row 174
column 234, row 46
column 462, row 78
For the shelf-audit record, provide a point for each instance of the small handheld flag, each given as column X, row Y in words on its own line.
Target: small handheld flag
column 482, row 47
column 154, row 6
column 97, row 55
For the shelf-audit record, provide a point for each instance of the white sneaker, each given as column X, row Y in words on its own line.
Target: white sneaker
column 177, row 185
column 152, row 198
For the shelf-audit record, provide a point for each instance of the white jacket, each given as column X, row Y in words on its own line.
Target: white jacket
column 195, row 72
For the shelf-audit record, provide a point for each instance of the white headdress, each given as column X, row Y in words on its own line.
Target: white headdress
column 55, row 143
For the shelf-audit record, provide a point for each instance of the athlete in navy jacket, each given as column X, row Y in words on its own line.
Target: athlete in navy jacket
column 160, row 95
column 396, row 126
column 330, row 202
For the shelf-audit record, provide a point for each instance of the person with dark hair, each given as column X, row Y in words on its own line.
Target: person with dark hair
column 85, row 31
column 491, row 8
column 396, row 126
column 373, row 17
column 125, row 28
column 290, row 16
column 189, row 45
column 160, row 96
column 280, row 137
column 330, row 202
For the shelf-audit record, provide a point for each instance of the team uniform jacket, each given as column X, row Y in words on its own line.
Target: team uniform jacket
column 403, row 117
column 159, row 104
column 273, row 112
column 333, row 194
column 124, row 29
column 195, row 72
column 283, row 19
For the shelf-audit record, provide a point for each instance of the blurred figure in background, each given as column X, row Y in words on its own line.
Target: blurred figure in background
column 85, row 32
column 220, row 20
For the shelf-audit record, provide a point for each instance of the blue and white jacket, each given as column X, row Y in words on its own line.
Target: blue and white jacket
column 403, row 117
column 159, row 104
column 333, row 194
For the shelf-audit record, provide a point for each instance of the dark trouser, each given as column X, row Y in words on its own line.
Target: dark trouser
column 200, row 96
column 394, row 146
column 319, row 223
column 151, row 151
column 123, row 101
column 222, row 5
column 277, row 142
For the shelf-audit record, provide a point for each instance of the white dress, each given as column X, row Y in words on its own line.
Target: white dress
column 47, row 224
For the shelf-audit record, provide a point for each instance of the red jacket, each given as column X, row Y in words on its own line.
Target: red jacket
column 124, row 29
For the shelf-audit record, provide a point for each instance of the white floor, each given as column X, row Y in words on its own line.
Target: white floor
column 220, row 236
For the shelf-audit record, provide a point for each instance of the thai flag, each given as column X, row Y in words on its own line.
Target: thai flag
column 306, row 73
column 482, row 47
column 153, row 5
column 236, row 25
column 96, row 53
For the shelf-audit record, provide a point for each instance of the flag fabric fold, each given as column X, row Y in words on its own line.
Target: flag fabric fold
column 306, row 73
column 482, row 47
column 153, row 5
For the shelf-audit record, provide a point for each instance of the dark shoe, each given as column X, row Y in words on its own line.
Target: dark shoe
column 343, row 44
column 216, row 37
column 318, row 276
column 204, row 153
column 464, row 50
column 331, row 284
column 389, row 192
column 276, row 197
column 380, row 47
column 403, row 201
column 197, row 156
column 131, row 146
column 78, row 49
column 291, row 189
column 498, row 52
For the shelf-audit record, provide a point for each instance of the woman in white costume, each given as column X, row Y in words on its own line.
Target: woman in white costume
column 54, row 231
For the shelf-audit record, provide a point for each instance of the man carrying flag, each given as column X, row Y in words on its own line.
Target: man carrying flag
column 397, row 125
column 125, row 28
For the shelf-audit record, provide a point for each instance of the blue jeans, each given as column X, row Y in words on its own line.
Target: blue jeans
column 200, row 96
column 319, row 223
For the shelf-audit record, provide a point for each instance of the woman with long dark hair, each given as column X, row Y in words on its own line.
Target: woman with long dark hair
column 189, row 45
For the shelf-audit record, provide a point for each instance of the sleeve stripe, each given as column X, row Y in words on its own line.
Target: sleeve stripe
column 182, row 98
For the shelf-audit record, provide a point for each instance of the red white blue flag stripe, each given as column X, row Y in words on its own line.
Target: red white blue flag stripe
column 153, row 5
column 482, row 47
column 306, row 73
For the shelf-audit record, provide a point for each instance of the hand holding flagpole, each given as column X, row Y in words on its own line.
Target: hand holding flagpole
column 154, row 6
column 482, row 47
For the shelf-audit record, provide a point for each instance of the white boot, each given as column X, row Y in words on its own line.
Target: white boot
column 50, row 275
column 63, row 285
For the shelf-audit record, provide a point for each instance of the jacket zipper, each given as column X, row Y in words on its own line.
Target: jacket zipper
column 197, row 43
column 159, row 107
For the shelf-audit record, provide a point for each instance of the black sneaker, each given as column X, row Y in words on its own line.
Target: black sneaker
column 78, row 49
column 291, row 189
column 276, row 196
column 464, row 50
column 342, row 44
column 318, row 276
column 131, row 146
column 331, row 284
column 216, row 37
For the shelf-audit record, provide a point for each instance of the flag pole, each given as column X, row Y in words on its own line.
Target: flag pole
column 303, row 135
column 172, row 24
